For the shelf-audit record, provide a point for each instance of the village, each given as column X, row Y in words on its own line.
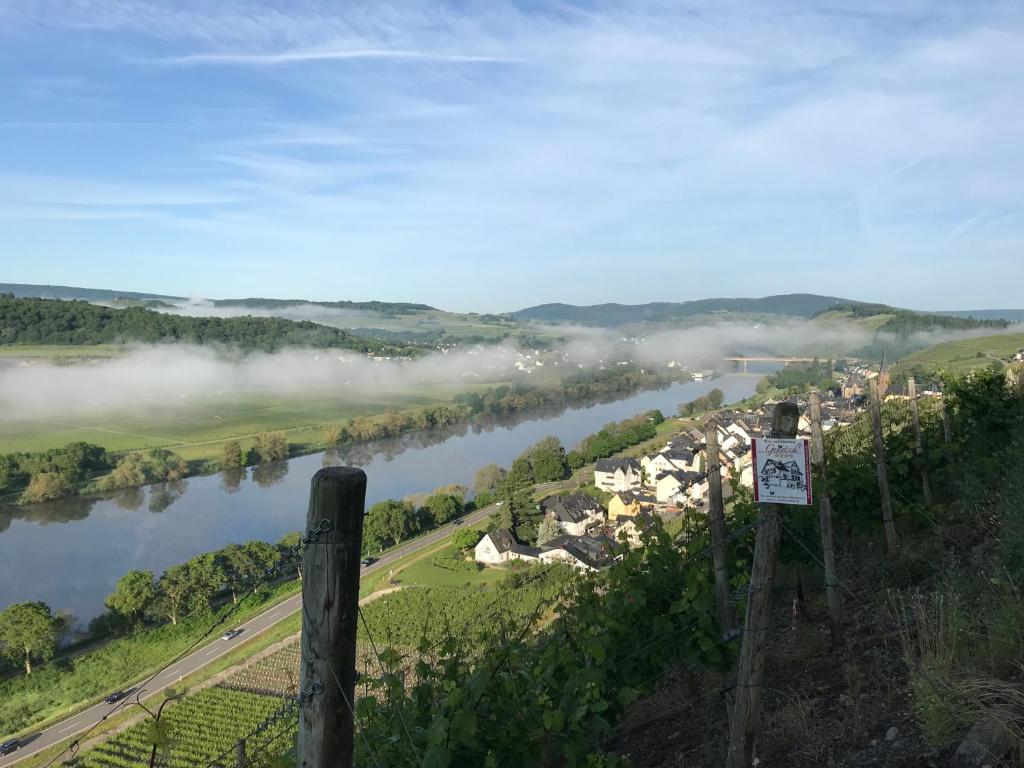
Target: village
column 667, row 483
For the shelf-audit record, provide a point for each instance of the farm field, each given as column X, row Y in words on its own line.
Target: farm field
column 967, row 354
column 198, row 430
column 49, row 351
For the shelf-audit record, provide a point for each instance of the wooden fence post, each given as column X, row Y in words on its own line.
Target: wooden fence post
column 330, row 605
column 750, row 673
column 240, row 754
column 835, row 611
column 926, row 487
column 891, row 539
column 716, row 522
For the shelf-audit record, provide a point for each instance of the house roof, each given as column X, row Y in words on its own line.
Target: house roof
column 524, row 550
column 685, row 479
column 588, row 550
column 611, row 465
column 503, row 540
column 573, row 508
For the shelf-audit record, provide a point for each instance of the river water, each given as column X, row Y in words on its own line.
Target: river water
column 70, row 553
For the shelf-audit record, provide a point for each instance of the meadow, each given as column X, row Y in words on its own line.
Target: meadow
column 197, row 430
column 966, row 354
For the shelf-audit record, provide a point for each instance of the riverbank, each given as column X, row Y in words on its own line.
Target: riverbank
column 200, row 435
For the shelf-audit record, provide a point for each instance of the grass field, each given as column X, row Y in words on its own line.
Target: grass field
column 198, row 430
column 966, row 355
column 47, row 351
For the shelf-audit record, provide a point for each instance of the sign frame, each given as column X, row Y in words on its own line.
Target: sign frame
column 786, row 492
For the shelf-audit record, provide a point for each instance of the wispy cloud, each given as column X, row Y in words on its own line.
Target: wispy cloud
column 299, row 57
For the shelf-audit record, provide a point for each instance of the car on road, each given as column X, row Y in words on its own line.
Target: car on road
column 9, row 746
column 458, row 521
column 231, row 634
column 368, row 560
column 115, row 697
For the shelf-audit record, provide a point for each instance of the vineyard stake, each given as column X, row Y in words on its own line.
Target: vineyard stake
column 716, row 521
column 926, row 487
column 947, row 444
column 891, row 539
column 750, row 673
column 330, row 614
column 240, row 754
column 835, row 610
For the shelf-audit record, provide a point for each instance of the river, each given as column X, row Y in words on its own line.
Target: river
column 70, row 553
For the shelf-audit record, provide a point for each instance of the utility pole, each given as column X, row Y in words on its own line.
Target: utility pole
column 330, row 615
column 716, row 522
column 750, row 673
column 835, row 611
column 926, row 487
column 891, row 539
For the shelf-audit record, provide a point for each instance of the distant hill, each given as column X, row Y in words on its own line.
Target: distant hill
column 49, row 321
column 29, row 291
column 386, row 307
column 1010, row 315
column 611, row 315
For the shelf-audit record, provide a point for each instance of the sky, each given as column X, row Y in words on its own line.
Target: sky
column 491, row 156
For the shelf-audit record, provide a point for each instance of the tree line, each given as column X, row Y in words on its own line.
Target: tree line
column 52, row 321
column 712, row 401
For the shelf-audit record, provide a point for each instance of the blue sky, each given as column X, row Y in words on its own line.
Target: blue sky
column 489, row 156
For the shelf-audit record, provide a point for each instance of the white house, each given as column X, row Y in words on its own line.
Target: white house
column 584, row 553
column 672, row 485
column 500, row 546
column 615, row 475
column 575, row 514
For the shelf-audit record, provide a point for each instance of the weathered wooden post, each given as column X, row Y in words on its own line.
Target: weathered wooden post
column 750, row 673
column 835, row 610
column 716, row 522
column 891, row 539
column 330, row 613
column 926, row 487
column 240, row 754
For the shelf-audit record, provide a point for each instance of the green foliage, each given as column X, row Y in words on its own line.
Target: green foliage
column 48, row 321
column 269, row 446
column 493, row 692
column 797, row 378
column 190, row 733
column 516, row 496
column 613, row 438
column 232, row 457
column 133, row 595
column 46, row 486
column 389, row 522
column 442, row 508
column 547, row 460
column 29, row 632
column 487, row 479
column 465, row 539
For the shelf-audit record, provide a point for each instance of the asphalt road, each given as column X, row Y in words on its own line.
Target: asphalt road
column 82, row 721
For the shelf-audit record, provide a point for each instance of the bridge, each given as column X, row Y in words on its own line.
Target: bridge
column 754, row 359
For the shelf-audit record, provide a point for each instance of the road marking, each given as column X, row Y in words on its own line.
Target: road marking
column 71, row 727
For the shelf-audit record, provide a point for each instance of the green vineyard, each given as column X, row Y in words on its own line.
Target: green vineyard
column 198, row 729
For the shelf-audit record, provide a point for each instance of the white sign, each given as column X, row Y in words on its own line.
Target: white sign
column 781, row 470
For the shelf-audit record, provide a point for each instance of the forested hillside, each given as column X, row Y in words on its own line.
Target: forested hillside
column 48, row 321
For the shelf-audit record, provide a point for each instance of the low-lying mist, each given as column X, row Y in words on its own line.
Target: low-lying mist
column 159, row 378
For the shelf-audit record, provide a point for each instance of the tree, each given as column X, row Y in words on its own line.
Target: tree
column 487, row 479
column 166, row 465
column 232, row 457
column 29, row 631
column 547, row 530
column 333, row 434
column 244, row 564
column 271, row 446
column 516, row 494
column 375, row 531
column 133, row 595
column 465, row 539
column 547, row 460
column 207, row 577
column 173, row 592
column 399, row 519
column 716, row 397
column 129, row 472
column 443, row 508
column 46, row 486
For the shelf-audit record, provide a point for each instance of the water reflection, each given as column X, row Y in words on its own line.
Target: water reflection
column 231, row 479
column 271, row 473
column 163, row 495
